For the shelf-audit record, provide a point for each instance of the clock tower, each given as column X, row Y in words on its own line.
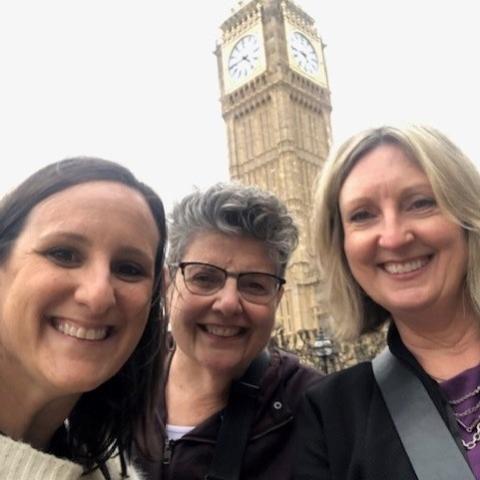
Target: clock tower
column 275, row 101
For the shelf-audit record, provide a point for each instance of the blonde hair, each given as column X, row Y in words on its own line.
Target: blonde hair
column 456, row 185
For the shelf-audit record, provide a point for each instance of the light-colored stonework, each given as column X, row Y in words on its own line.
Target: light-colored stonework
column 275, row 101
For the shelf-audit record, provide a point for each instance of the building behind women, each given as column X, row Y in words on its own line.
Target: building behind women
column 81, row 259
column 228, row 252
column 398, row 234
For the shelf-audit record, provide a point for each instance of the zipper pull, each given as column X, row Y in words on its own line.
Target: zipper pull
column 167, row 451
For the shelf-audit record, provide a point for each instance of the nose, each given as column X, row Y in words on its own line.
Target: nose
column 227, row 300
column 395, row 233
column 95, row 289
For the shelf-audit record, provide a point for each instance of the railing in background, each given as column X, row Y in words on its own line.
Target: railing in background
column 320, row 350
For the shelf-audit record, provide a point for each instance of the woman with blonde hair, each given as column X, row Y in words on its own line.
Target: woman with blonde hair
column 397, row 222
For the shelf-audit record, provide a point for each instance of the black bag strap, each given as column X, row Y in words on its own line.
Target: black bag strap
column 430, row 446
column 237, row 420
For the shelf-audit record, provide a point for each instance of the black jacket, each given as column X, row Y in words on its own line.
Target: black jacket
column 268, row 452
column 344, row 431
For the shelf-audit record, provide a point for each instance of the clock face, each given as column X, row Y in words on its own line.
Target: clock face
column 304, row 53
column 244, row 57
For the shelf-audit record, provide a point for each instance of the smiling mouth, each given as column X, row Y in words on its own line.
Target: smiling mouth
column 81, row 333
column 397, row 268
column 222, row 331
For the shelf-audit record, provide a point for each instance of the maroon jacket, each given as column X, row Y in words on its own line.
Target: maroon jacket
column 269, row 448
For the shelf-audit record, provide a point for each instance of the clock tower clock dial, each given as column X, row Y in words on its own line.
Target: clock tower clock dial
column 244, row 57
column 304, row 53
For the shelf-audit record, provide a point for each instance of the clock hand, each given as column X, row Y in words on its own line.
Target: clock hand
column 234, row 65
column 244, row 59
column 298, row 50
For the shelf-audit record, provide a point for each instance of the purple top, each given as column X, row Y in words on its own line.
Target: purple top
column 463, row 394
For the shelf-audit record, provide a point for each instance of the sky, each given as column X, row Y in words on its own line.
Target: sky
column 136, row 81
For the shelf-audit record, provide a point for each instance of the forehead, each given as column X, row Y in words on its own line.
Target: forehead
column 385, row 167
column 225, row 250
column 92, row 206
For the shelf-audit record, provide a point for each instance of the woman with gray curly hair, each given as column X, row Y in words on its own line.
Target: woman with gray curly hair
column 229, row 400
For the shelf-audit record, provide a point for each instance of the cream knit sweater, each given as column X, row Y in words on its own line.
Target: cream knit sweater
column 19, row 461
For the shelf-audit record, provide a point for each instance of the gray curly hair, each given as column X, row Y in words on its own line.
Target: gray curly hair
column 234, row 209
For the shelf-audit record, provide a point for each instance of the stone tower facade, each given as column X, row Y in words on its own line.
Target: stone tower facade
column 275, row 101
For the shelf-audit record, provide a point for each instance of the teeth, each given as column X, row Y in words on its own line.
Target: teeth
column 80, row 332
column 405, row 267
column 222, row 331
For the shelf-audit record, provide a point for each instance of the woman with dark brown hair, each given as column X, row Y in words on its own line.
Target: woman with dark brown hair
column 82, row 246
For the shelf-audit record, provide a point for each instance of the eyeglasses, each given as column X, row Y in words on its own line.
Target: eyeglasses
column 205, row 279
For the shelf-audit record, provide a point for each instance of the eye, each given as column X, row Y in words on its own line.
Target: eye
column 256, row 284
column 129, row 271
column 205, row 278
column 255, row 288
column 64, row 256
column 360, row 216
column 423, row 203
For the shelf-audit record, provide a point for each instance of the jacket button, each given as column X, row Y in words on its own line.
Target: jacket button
column 277, row 405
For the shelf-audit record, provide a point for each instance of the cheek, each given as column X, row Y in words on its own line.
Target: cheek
column 8, row 331
column 136, row 304
column 264, row 318
column 351, row 252
column 22, row 313
column 450, row 240
column 181, row 312
column 358, row 248
column 176, row 297
column 461, row 253
column 183, row 306
column 359, row 261
column 175, row 319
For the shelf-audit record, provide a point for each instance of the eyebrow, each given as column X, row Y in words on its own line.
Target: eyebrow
column 64, row 235
column 417, row 187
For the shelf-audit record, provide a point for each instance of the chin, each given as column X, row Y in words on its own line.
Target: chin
column 410, row 308
column 79, row 384
column 226, row 367
column 410, row 303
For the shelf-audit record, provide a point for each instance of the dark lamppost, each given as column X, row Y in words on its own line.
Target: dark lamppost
column 323, row 348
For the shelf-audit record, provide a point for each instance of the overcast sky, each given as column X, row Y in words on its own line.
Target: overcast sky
column 136, row 81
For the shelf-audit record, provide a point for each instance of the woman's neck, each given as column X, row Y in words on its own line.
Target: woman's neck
column 443, row 344
column 193, row 393
column 28, row 416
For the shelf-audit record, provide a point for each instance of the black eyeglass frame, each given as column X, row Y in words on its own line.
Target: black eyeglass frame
column 181, row 265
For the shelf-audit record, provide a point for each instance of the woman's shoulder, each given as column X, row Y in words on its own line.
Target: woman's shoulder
column 20, row 460
column 290, row 369
column 287, row 378
column 348, row 383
